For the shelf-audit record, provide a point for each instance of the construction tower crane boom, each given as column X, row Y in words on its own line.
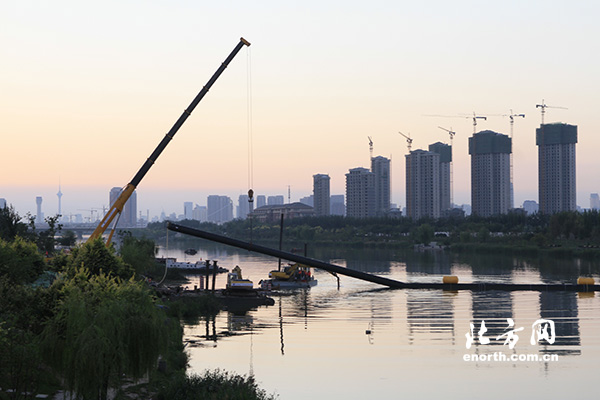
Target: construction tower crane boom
column 408, row 140
column 450, row 132
column 543, row 107
column 475, row 118
column 117, row 207
column 512, row 120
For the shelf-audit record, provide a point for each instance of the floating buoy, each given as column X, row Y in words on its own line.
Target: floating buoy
column 585, row 281
column 450, row 279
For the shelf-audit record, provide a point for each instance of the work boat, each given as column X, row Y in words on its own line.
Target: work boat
column 235, row 282
column 293, row 276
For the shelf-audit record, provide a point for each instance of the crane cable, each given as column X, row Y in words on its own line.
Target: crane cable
column 250, row 144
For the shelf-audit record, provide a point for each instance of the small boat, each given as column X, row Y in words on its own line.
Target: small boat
column 196, row 267
column 293, row 276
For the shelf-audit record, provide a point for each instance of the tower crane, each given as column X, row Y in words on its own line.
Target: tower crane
column 370, row 147
column 512, row 116
column 117, row 208
column 543, row 107
column 408, row 140
column 512, row 120
column 475, row 118
column 451, row 133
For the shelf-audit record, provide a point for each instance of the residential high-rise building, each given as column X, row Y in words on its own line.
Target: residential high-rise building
column 360, row 193
column 556, row 167
column 380, row 167
column 337, row 205
column 275, row 200
column 490, row 173
column 39, row 218
column 321, row 194
column 422, row 184
column 2, row 203
column 594, row 201
column 219, row 209
column 200, row 213
column 128, row 218
column 445, row 152
column 188, row 210
column 243, row 208
column 261, row 200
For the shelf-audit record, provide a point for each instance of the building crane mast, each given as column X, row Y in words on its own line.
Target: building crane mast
column 451, row 133
column 512, row 116
column 370, row 147
column 543, row 107
column 408, row 140
column 117, row 208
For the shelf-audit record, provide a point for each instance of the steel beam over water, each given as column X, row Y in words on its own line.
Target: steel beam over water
column 375, row 278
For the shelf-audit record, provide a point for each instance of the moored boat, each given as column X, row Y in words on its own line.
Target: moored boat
column 197, row 267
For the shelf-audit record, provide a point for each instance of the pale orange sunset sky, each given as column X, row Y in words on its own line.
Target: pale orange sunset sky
column 87, row 91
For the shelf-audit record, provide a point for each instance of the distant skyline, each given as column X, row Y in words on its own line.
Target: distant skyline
column 88, row 91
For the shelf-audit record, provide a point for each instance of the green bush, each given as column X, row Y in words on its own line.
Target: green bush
column 217, row 385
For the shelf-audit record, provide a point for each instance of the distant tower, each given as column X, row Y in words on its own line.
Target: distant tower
column 445, row 152
column 380, row 167
column 490, row 173
column 556, row 167
column 321, row 194
column 360, row 193
column 188, row 210
column 423, row 184
column 59, row 194
column 40, row 215
column 128, row 217
column 594, row 201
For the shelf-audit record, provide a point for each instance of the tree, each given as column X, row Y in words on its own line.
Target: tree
column 20, row 261
column 139, row 253
column 424, row 234
column 10, row 224
column 98, row 259
column 103, row 330
column 45, row 239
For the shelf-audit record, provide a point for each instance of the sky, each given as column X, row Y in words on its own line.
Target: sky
column 88, row 90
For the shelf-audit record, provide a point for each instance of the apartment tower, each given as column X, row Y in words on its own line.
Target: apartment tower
column 490, row 173
column 556, row 167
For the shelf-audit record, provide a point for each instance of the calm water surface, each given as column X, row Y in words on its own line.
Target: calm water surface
column 362, row 341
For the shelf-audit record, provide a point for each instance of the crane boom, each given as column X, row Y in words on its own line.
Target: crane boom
column 126, row 193
column 408, row 140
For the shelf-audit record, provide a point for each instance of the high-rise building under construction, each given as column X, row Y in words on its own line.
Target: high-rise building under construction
column 556, row 167
column 490, row 173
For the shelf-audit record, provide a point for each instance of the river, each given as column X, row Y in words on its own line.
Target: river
column 363, row 341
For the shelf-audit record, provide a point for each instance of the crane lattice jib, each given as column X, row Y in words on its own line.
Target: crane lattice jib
column 119, row 204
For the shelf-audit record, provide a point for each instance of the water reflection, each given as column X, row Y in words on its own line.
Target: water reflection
column 363, row 337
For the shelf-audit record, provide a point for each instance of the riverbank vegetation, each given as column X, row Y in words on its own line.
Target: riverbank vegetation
column 89, row 324
column 565, row 234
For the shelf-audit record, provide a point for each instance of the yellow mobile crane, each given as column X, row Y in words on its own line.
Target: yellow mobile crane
column 116, row 209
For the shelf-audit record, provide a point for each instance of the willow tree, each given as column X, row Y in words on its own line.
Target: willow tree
column 104, row 330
